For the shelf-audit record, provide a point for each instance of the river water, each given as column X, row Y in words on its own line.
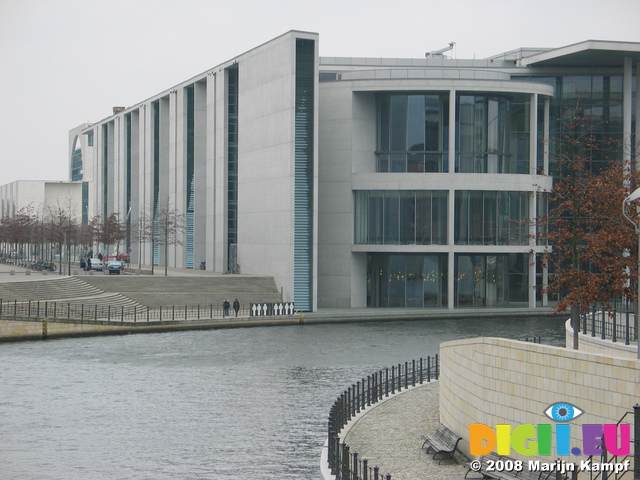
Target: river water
column 249, row 403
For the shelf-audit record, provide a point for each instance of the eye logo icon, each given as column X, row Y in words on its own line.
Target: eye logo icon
column 563, row 412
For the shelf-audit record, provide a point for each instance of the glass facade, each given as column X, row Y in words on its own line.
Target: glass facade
column 407, row 280
column 492, row 134
column 190, row 110
column 413, row 131
column 404, row 217
column 76, row 160
column 491, row 218
column 596, row 98
column 304, row 174
column 232, row 164
column 491, row 280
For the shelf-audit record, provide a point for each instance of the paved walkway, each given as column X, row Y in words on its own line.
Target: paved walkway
column 388, row 435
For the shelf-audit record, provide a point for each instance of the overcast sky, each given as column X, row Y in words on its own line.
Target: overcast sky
column 67, row 62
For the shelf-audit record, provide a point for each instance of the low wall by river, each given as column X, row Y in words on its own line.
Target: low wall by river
column 498, row 381
column 24, row 329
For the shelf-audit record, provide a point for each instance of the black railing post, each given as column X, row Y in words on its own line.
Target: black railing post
column 437, row 373
column 95, row 312
column 399, row 377
column 626, row 328
column 421, row 372
column 386, row 383
column 428, row 369
column 614, row 337
column 413, row 372
column 354, row 471
column 603, row 335
column 109, row 313
column 376, row 472
column 393, row 379
column 593, row 321
column 636, row 442
column 365, row 469
column 345, row 461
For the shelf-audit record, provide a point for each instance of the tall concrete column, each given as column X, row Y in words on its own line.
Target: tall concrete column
column 626, row 112
column 533, row 134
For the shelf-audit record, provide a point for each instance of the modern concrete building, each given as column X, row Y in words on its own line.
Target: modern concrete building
column 358, row 181
column 42, row 196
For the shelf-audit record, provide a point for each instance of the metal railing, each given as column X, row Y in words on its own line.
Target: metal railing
column 617, row 325
column 116, row 313
column 344, row 464
column 615, row 460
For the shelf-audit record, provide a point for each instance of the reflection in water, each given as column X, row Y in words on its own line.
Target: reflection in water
column 224, row 404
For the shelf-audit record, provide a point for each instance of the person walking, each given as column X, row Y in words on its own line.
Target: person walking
column 225, row 308
column 236, row 306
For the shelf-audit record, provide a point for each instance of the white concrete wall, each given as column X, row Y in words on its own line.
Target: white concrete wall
column 266, row 168
column 497, row 381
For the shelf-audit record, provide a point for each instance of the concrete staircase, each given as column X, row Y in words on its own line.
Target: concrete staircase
column 45, row 290
column 117, row 291
column 156, row 291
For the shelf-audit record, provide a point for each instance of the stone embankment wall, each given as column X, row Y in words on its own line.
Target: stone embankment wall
column 37, row 329
column 497, row 381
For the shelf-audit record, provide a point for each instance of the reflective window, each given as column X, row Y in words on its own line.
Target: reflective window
column 412, row 132
column 492, row 134
column 491, row 280
column 405, row 217
column 407, row 280
column 76, row 160
column 491, row 218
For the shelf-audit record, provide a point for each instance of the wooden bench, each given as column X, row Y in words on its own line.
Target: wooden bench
column 443, row 442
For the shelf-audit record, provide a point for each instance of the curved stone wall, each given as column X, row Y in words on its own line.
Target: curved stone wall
column 589, row 344
column 498, row 381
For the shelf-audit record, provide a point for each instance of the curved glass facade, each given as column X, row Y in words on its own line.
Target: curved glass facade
column 492, row 133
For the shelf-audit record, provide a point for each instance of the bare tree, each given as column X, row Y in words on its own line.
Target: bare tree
column 170, row 225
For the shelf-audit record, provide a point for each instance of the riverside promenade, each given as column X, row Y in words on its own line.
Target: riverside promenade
column 388, row 435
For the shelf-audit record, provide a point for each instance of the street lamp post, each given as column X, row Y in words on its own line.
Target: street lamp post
column 636, row 225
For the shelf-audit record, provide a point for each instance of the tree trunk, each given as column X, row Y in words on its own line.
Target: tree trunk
column 575, row 321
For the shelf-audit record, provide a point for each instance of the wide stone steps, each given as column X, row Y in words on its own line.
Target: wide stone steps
column 50, row 289
column 141, row 291
column 159, row 291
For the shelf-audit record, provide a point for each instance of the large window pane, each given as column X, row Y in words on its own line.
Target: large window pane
column 411, row 280
column 412, row 133
column 403, row 217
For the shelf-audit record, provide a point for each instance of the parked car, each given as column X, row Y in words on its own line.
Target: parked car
column 115, row 267
column 95, row 264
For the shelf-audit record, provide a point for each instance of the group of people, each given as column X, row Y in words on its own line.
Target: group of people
column 226, row 305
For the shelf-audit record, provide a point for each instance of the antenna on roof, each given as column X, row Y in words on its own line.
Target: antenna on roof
column 441, row 51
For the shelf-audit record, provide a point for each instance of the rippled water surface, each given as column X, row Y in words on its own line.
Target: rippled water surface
column 248, row 403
